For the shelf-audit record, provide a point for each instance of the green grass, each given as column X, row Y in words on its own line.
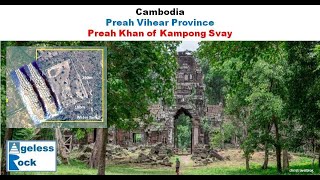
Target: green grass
column 134, row 170
column 74, row 168
column 79, row 168
column 254, row 170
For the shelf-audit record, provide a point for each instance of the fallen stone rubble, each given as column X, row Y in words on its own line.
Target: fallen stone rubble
column 204, row 155
column 157, row 154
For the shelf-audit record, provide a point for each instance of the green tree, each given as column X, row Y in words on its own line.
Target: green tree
column 267, row 80
column 304, row 87
column 222, row 135
column 139, row 74
column 214, row 83
column 250, row 85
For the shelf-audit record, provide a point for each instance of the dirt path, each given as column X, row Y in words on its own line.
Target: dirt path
column 185, row 161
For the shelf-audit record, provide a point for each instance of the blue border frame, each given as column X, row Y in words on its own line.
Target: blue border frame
column 7, row 154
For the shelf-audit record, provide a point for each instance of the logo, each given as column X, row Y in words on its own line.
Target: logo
column 31, row 156
column 14, row 148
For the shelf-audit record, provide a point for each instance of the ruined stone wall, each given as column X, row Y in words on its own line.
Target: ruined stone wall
column 189, row 93
column 189, row 99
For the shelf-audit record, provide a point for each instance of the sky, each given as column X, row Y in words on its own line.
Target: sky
column 188, row 45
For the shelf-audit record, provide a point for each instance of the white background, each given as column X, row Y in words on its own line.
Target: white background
column 30, row 23
column 45, row 161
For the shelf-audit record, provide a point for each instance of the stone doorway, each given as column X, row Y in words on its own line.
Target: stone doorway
column 182, row 127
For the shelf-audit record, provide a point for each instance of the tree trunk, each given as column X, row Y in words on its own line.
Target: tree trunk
column 61, row 147
column 247, row 163
column 319, row 157
column 266, row 156
column 245, row 135
column 116, row 136
column 175, row 138
column 102, row 157
column 313, row 152
column 222, row 140
column 93, row 162
column 277, row 145
column 285, row 160
column 98, row 156
column 7, row 136
column 278, row 154
column 266, row 151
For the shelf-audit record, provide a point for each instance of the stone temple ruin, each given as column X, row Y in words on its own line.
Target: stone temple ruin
column 189, row 100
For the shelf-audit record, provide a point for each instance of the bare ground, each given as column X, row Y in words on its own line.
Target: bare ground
column 236, row 159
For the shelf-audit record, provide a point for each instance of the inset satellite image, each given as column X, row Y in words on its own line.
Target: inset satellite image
column 62, row 85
